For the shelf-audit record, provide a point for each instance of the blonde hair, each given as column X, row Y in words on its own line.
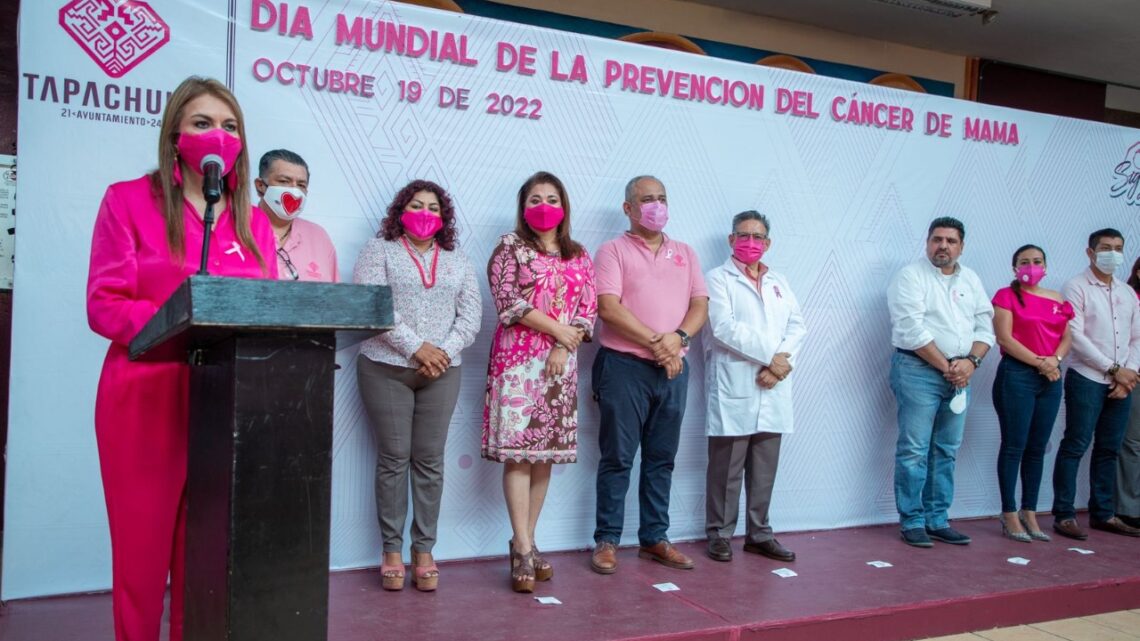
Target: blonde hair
column 162, row 180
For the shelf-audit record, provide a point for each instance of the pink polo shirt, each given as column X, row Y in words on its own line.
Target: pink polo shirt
column 654, row 286
column 311, row 251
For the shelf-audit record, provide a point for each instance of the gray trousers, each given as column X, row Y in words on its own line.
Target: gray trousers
column 733, row 459
column 1128, row 466
column 410, row 415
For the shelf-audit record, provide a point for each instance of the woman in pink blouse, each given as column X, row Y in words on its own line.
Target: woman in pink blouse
column 409, row 376
column 147, row 240
column 1032, row 328
column 542, row 283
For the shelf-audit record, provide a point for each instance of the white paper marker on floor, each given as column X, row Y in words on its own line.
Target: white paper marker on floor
column 548, row 600
column 1017, row 560
column 784, row 573
column 879, row 564
column 666, row 587
column 1082, row 551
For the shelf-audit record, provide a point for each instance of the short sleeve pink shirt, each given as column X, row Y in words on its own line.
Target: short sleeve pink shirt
column 1040, row 324
column 311, row 251
column 654, row 286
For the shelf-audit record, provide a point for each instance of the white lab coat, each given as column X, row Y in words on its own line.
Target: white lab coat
column 746, row 329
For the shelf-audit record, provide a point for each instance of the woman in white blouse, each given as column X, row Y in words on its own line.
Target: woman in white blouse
column 409, row 376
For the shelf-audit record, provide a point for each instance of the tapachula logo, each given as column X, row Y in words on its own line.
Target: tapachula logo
column 1126, row 176
column 117, row 34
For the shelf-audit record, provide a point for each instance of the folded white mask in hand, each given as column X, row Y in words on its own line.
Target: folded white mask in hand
column 958, row 403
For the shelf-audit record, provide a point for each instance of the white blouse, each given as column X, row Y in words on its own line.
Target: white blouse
column 447, row 315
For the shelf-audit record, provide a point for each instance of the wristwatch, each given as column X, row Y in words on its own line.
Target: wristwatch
column 975, row 360
column 1114, row 369
column 685, row 340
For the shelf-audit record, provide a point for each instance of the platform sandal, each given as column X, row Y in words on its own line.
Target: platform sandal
column 522, row 570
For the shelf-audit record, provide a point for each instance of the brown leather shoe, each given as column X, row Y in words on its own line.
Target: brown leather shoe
column 1069, row 528
column 1114, row 525
column 665, row 554
column 604, row 558
column 771, row 549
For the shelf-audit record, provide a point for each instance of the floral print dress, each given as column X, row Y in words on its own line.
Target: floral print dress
column 528, row 416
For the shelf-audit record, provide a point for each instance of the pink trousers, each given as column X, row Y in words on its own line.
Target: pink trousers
column 141, row 427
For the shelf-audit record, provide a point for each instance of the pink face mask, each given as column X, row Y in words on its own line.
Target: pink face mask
column 421, row 223
column 194, row 148
column 543, row 217
column 654, row 215
column 748, row 250
column 1030, row 274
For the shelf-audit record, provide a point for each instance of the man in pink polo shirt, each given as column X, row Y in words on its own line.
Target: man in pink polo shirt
column 651, row 298
column 304, row 250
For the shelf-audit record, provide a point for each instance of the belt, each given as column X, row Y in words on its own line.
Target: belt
column 911, row 352
column 635, row 357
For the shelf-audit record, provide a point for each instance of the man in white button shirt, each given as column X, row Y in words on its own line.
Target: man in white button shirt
column 1098, row 386
column 941, row 328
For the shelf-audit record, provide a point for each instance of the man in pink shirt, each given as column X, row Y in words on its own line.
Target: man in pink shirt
column 1098, row 387
column 652, row 298
column 304, row 250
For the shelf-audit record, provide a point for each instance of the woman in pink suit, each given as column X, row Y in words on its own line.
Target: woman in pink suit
column 147, row 240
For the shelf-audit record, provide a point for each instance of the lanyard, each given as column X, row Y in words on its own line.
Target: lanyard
column 428, row 283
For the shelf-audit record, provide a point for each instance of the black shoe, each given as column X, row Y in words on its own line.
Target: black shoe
column 771, row 549
column 1130, row 521
column 948, row 535
column 916, row 536
column 719, row 549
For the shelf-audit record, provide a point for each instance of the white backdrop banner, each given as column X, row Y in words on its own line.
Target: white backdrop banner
column 374, row 94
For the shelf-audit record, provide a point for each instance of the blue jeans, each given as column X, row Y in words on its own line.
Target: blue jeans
column 929, row 436
column 1026, row 404
column 640, row 407
column 1089, row 416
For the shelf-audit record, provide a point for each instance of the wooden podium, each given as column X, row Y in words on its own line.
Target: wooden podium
column 260, row 451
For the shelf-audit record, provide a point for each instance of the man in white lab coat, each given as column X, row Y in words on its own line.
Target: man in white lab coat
column 754, row 333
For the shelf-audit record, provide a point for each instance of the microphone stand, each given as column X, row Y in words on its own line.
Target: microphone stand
column 208, row 222
column 212, row 192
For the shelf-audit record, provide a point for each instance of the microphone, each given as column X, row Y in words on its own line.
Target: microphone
column 212, row 166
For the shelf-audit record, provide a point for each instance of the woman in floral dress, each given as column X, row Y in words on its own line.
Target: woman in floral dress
column 542, row 283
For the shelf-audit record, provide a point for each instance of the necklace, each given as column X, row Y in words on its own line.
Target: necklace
column 428, row 283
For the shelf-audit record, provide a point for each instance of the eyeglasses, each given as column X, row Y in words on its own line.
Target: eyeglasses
column 756, row 237
column 284, row 256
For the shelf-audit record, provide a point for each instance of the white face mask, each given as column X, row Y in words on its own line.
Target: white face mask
column 958, row 403
column 1107, row 262
column 286, row 202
